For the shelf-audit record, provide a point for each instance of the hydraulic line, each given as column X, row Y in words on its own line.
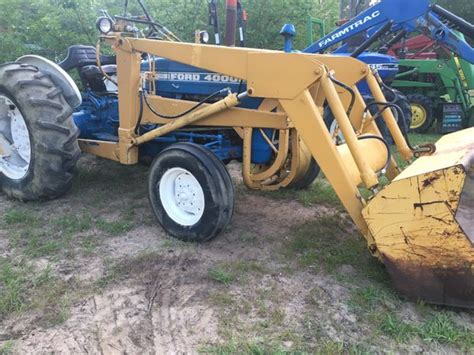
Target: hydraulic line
column 99, row 64
column 347, row 88
column 140, row 114
column 143, row 97
column 231, row 100
column 371, row 40
column 400, row 115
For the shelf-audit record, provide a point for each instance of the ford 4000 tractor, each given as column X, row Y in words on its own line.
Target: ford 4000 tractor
column 264, row 108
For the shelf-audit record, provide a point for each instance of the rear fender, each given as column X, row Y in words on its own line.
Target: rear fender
column 58, row 75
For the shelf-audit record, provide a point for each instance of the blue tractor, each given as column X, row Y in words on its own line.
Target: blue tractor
column 97, row 116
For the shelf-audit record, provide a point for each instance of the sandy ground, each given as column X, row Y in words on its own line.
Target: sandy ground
column 163, row 300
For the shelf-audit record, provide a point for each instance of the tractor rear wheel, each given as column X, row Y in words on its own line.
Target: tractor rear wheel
column 422, row 113
column 308, row 178
column 38, row 138
column 190, row 192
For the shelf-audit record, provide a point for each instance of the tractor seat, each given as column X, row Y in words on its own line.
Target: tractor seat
column 79, row 56
column 93, row 78
column 83, row 58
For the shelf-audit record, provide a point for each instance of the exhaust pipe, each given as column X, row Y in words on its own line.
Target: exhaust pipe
column 231, row 22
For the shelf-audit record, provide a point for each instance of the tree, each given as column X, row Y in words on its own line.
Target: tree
column 49, row 27
column 461, row 8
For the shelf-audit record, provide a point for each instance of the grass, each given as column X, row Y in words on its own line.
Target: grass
column 329, row 243
column 326, row 347
column 24, row 288
column 244, row 347
column 319, row 193
column 437, row 328
column 36, row 235
column 18, row 216
column 72, row 224
column 379, row 306
column 220, row 275
column 114, row 227
column 230, row 271
column 371, row 297
column 7, row 348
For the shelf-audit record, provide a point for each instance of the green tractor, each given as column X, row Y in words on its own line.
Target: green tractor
column 438, row 84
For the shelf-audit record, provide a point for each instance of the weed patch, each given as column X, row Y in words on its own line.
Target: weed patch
column 319, row 193
column 230, row 271
column 114, row 228
column 19, row 216
column 23, row 288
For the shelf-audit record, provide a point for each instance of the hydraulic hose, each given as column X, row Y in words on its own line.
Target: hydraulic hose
column 400, row 116
column 347, row 88
column 200, row 103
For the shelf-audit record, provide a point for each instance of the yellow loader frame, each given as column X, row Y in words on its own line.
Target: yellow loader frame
column 422, row 241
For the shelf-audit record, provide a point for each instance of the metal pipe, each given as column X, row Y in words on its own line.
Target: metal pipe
column 388, row 117
column 462, row 25
column 368, row 176
column 226, row 103
column 242, row 19
column 214, row 20
column 394, row 40
column 231, row 22
column 407, row 73
column 372, row 39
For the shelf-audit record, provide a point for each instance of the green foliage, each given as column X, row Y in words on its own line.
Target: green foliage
column 462, row 8
column 319, row 193
column 49, row 27
column 6, row 348
column 18, row 216
column 229, row 271
column 439, row 328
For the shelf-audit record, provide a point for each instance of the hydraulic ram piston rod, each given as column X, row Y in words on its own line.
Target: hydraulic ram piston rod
column 226, row 103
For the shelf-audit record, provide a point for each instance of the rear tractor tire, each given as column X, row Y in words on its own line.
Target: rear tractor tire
column 190, row 192
column 308, row 178
column 38, row 138
column 422, row 113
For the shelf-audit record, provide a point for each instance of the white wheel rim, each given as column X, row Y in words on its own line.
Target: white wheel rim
column 15, row 145
column 182, row 196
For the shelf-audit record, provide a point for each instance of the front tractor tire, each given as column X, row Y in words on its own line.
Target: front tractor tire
column 422, row 113
column 38, row 138
column 191, row 192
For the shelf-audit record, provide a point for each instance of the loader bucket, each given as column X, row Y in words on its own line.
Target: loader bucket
column 423, row 224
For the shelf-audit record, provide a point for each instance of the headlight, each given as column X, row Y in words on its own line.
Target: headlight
column 204, row 37
column 104, row 25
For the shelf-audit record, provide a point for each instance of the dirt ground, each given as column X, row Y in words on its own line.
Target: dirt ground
column 92, row 272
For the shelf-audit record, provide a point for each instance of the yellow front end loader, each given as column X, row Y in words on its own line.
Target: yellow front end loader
column 420, row 224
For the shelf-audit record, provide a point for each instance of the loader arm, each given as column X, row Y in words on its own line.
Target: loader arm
column 420, row 225
column 407, row 16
